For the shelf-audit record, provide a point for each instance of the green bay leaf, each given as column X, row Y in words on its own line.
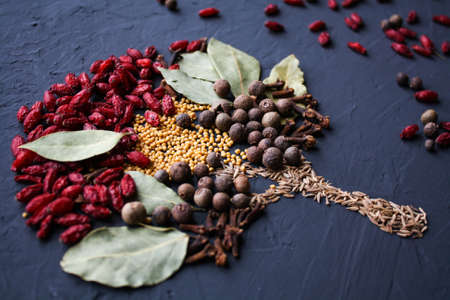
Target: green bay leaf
column 153, row 193
column 234, row 65
column 74, row 145
column 198, row 65
column 126, row 256
column 197, row 90
column 288, row 70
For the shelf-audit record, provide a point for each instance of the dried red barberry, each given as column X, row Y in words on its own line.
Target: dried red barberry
column 274, row 26
column 409, row 132
column 38, row 202
column 412, row 17
column 295, row 2
column 37, row 170
column 49, row 180
column 357, row 47
column 134, row 53
column 333, row 5
column 168, row 106
column 426, row 96
column 127, row 186
column 16, row 142
column 74, row 233
column 394, row 35
column 71, row 219
column 36, row 133
column 28, row 192
column 60, row 206
column 27, row 178
column 324, row 39
column 351, row 24
column 443, row 139
column 61, row 89
column 317, row 26
column 150, row 52
column 356, row 18
column 445, row 125
column 72, row 191
column 31, row 120
column 44, row 229
column 59, row 184
column 72, row 81
column 407, row 32
column 422, row 51
column 116, row 196
column 24, row 158
column 271, row 9
column 174, row 67
column 349, row 3
column 208, row 12
column 103, row 194
column 81, row 99
column 96, row 211
column 159, row 92
column 426, row 42
column 442, row 19
column 109, row 175
column 76, row 178
column 138, row 158
column 445, row 47
column 180, row 45
column 402, row 49
column 151, row 118
column 37, row 217
column 22, row 113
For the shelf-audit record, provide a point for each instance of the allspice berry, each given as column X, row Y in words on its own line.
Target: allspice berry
column 429, row 144
column 213, row 160
column 203, row 197
column 271, row 119
column 257, row 89
column 239, row 116
column 205, row 182
column 270, row 132
column 206, row 118
column 171, row 4
column 402, row 79
column 292, row 156
column 182, row 213
column 222, row 88
column 201, row 170
column 281, row 143
column 254, row 137
column 254, row 154
column 237, row 133
column 243, row 101
column 284, row 107
column 223, row 183
column 183, row 121
column 161, row 216
column 273, row 158
column 430, row 115
column 186, row 191
column 416, row 84
column 430, row 129
column 267, row 105
column 134, row 213
column 395, row 21
column 162, row 176
column 240, row 200
column 253, row 125
column 221, row 201
column 255, row 114
column 242, row 184
column 223, row 121
column 180, row 172
column 385, row 25
column 264, row 144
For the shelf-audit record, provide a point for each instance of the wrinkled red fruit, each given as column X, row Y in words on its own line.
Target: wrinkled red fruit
column 138, row 158
column 274, row 26
column 409, row 132
column 208, row 12
column 317, row 26
column 271, row 9
column 357, row 47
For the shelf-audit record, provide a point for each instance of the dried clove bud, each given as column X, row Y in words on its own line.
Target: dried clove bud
column 286, row 93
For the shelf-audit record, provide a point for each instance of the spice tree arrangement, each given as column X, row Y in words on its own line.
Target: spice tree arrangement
column 112, row 142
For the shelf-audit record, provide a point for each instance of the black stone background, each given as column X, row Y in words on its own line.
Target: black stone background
column 299, row 249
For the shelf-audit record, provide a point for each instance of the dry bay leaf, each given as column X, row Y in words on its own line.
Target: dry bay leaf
column 74, row 145
column 198, row 65
column 126, row 256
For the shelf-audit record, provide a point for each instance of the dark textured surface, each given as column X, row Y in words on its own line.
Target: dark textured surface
column 299, row 249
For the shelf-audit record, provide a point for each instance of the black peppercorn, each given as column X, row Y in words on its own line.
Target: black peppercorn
column 284, row 107
column 267, row 105
column 255, row 114
column 416, row 83
column 213, row 160
column 201, row 170
column 182, row 213
column 237, row 133
column 395, row 21
column 254, row 137
column 429, row 144
column 203, row 197
column 222, row 88
column 239, row 116
column 257, row 89
column 402, row 79
column 221, row 201
column 206, row 118
column 162, row 176
column 205, row 182
column 264, row 144
column 244, row 102
column 273, row 158
column 270, row 132
column 180, row 172
column 223, row 121
column 292, row 156
column 242, row 184
column 171, row 4
column 254, row 154
column 253, row 125
column 385, row 25
column 186, row 191
column 222, row 106
column 161, row 216
column 184, row 121
column 240, row 200
column 281, row 143
column 271, row 119
column 430, row 129
column 223, row 183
